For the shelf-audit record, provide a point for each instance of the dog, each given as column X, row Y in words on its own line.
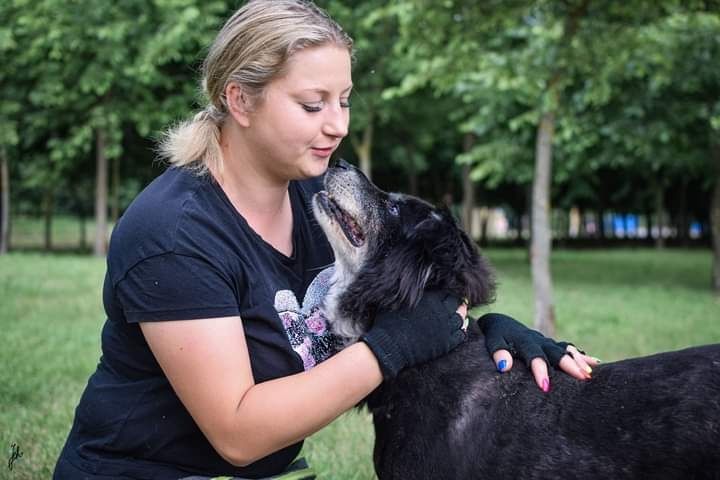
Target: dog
column 656, row 417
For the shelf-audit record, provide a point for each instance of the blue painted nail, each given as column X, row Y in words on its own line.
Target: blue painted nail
column 501, row 365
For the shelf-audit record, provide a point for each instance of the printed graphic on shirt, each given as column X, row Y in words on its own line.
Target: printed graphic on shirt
column 306, row 326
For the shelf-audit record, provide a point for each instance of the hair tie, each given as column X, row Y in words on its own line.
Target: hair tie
column 211, row 113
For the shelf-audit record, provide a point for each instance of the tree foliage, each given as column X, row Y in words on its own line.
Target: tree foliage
column 580, row 80
column 633, row 91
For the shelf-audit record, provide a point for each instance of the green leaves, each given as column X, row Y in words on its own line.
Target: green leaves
column 70, row 68
column 636, row 86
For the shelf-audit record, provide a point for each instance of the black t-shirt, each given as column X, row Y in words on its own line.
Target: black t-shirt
column 181, row 251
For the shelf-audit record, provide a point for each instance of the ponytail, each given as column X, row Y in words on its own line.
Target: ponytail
column 195, row 144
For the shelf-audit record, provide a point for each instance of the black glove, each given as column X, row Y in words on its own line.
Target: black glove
column 411, row 336
column 503, row 332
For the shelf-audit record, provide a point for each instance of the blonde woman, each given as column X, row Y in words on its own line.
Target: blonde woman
column 214, row 361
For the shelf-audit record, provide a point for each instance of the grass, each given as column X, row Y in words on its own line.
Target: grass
column 619, row 303
column 614, row 304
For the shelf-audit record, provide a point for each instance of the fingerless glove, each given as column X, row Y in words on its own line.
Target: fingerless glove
column 503, row 332
column 411, row 336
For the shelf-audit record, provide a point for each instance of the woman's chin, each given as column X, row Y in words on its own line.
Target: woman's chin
column 316, row 167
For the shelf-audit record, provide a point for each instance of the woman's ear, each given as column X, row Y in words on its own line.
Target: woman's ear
column 238, row 104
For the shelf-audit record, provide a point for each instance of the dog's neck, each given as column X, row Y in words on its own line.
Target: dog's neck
column 336, row 317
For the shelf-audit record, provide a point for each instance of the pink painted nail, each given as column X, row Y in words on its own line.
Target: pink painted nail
column 546, row 385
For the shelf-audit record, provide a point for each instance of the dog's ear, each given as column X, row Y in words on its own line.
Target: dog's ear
column 457, row 265
column 476, row 273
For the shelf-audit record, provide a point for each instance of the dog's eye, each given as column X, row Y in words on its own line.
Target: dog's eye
column 393, row 209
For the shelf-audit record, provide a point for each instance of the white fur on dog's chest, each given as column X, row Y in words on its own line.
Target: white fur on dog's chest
column 340, row 325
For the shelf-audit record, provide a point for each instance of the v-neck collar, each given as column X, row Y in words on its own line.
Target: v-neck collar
column 295, row 205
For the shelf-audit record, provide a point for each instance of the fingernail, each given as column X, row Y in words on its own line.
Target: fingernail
column 597, row 360
column 588, row 369
column 546, row 385
column 501, row 365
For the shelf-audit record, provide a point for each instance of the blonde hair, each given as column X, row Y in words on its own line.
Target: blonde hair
column 252, row 49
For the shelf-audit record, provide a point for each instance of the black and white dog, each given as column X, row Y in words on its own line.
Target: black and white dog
column 655, row 417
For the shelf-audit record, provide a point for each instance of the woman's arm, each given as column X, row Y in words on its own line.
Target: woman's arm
column 208, row 365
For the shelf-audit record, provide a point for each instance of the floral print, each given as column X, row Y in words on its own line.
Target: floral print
column 306, row 326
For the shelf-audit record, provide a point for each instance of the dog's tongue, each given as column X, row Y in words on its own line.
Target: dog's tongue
column 348, row 224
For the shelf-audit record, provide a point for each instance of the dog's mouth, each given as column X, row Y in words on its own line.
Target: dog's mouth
column 348, row 224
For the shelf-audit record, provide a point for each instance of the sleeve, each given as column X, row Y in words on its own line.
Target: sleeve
column 175, row 287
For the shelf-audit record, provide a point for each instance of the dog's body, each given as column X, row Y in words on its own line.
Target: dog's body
column 457, row 417
column 655, row 417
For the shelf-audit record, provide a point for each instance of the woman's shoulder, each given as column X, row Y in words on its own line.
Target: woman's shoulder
column 162, row 202
column 171, row 206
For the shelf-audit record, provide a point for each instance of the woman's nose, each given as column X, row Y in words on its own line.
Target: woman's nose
column 336, row 124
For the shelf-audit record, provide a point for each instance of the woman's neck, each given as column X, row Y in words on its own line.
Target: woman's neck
column 262, row 200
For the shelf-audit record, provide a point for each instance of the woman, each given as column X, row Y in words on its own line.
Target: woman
column 210, row 364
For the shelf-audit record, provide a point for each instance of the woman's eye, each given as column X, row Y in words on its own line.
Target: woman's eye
column 317, row 106
column 393, row 209
column 312, row 107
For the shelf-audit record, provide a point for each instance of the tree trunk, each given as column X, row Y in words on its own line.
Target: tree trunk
column 4, row 203
column 468, row 187
column 363, row 149
column 540, row 225
column 49, row 207
column 412, row 171
column 660, row 240
column 101, row 196
column 601, row 224
column 683, row 224
column 115, row 207
column 541, row 241
column 528, row 213
column 715, row 222
column 83, row 232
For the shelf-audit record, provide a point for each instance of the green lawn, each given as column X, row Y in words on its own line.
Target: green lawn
column 614, row 304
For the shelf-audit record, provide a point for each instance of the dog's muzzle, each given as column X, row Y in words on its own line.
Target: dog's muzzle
column 348, row 224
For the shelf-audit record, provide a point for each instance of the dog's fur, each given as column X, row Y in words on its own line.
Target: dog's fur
column 457, row 417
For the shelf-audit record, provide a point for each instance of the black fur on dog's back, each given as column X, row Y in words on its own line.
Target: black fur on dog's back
column 655, row 417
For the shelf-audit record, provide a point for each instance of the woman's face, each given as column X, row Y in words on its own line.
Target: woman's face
column 304, row 115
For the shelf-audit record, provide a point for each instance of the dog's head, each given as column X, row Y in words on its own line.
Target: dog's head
column 390, row 247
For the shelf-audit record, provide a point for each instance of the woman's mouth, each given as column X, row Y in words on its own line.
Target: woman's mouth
column 323, row 152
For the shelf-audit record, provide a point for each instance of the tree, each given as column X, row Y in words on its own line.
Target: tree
column 95, row 68
column 519, row 50
column 4, row 203
column 527, row 67
column 12, row 88
column 659, row 119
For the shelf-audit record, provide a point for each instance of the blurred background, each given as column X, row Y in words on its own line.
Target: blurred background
column 592, row 127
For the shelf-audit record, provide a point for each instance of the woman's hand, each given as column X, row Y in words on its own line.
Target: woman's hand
column 504, row 335
column 437, row 327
